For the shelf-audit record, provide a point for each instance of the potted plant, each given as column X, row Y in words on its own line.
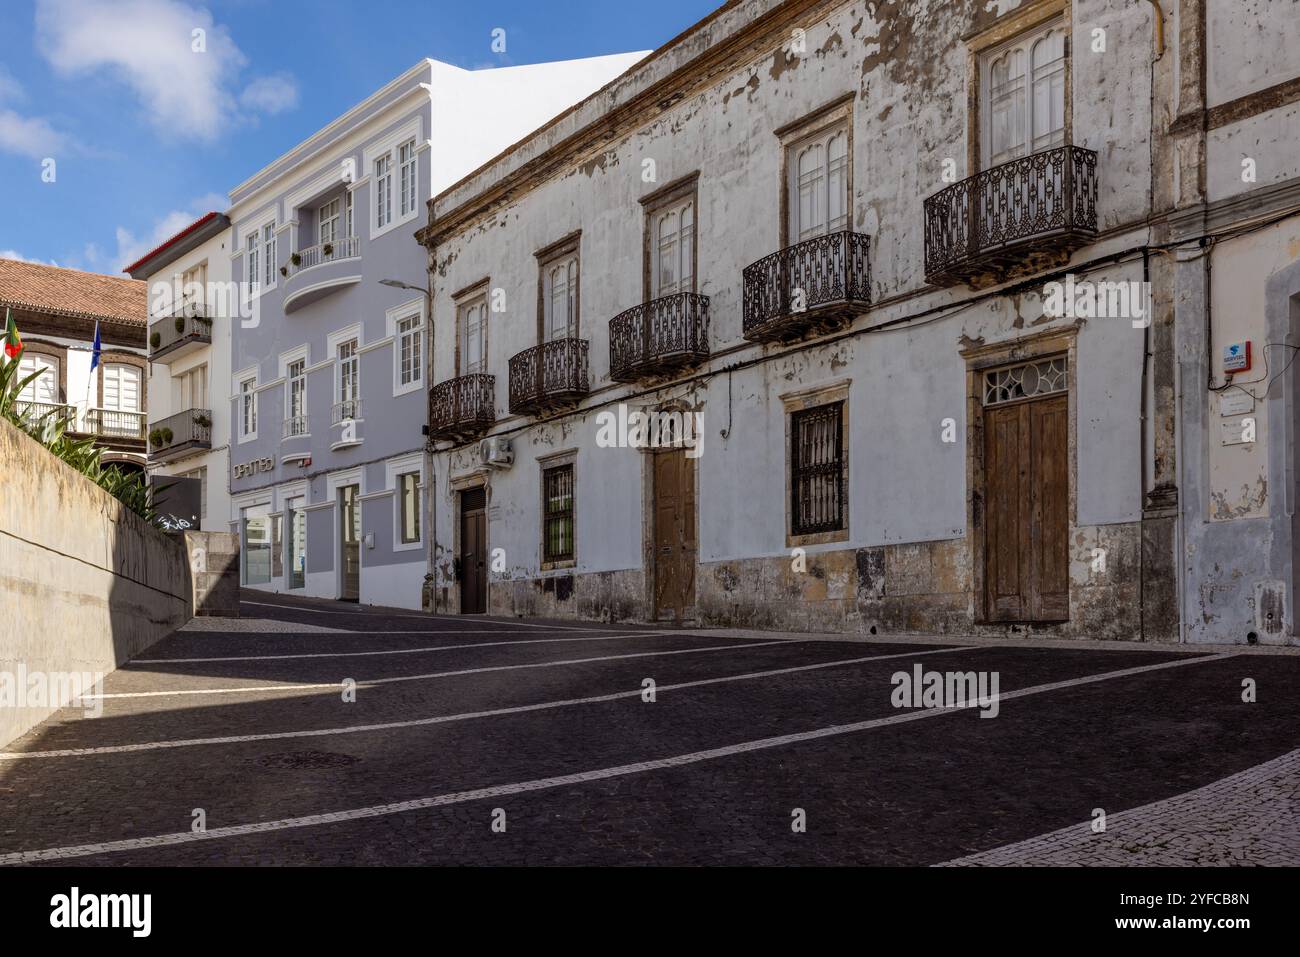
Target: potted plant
column 327, row 250
column 284, row 270
column 166, row 435
column 154, row 339
column 294, row 258
column 155, row 438
column 203, row 421
column 180, row 323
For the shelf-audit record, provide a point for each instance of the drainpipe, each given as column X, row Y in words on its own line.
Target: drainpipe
column 1159, row 31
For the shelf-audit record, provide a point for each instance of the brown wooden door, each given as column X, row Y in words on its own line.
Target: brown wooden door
column 1027, row 485
column 350, row 541
column 473, row 552
column 674, row 535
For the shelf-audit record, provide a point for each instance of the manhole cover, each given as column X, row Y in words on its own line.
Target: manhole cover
column 289, row 760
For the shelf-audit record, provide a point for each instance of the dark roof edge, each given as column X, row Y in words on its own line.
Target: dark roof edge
column 188, row 239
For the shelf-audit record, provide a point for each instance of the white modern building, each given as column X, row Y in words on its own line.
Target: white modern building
column 328, row 386
column 190, row 318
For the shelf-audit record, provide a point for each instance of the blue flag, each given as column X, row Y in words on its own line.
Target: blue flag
column 94, row 355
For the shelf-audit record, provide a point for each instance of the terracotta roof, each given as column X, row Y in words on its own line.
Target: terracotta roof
column 69, row 292
column 197, row 224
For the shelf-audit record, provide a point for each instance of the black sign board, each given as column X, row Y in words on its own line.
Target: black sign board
column 177, row 501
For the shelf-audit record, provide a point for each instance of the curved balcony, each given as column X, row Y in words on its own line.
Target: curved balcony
column 462, row 408
column 815, row 286
column 1015, row 218
column 549, row 376
column 295, row 439
column 187, row 328
column 659, row 337
column 317, row 271
column 179, row 435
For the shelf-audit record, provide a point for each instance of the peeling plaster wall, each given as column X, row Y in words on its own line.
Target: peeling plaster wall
column 907, row 564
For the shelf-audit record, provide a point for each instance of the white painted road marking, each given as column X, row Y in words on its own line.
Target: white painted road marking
column 372, row 682
column 540, row 784
column 394, row 651
column 465, row 716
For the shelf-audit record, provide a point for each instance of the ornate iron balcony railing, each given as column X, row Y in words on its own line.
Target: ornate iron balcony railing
column 462, row 407
column 659, row 336
column 813, row 286
column 1007, row 219
column 549, row 375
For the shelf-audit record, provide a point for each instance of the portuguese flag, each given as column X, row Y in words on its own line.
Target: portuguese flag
column 13, row 344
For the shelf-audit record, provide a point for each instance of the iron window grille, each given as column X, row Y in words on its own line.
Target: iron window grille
column 1026, row 381
column 817, row 469
column 557, row 528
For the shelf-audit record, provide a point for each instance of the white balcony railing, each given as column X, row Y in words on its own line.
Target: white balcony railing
column 295, row 425
column 347, row 409
column 346, row 247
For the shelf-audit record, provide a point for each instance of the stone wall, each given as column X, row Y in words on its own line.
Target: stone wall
column 85, row 583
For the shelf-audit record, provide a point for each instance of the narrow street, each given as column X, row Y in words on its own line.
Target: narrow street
column 489, row 741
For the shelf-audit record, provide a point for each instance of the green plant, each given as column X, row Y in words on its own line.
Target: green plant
column 166, row 435
column 328, row 249
column 295, row 258
column 180, row 323
column 284, row 270
column 154, row 339
column 203, row 421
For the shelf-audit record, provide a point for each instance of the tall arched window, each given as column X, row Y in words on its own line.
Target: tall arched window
column 1022, row 96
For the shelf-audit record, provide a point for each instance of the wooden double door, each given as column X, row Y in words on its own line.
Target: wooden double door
column 1027, row 496
column 675, row 545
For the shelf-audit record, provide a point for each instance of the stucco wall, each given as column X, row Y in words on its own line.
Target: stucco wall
column 86, row 584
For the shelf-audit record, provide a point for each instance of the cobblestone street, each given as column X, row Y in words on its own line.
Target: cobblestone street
column 488, row 741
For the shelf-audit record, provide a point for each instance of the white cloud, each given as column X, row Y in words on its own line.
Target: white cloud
column 131, row 247
column 29, row 136
column 149, row 46
column 10, row 89
column 14, row 254
column 271, row 94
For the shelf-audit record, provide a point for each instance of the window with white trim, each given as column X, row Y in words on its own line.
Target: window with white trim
column 383, row 190
column 327, row 222
column 45, row 387
column 349, row 229
column 296, row 410
column 472, row 334
column 560, row 297
column 672, row 249
column 248, row 406
column 190, row 388
column 407, row 177
column 268, row 254
column 259, row 257
column 408, row 507
column 349, row 384
column 818, row 170
column 408, row 340
column 121, row 387
column 1022, row 95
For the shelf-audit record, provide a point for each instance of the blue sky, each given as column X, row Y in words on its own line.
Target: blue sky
column 145, row 134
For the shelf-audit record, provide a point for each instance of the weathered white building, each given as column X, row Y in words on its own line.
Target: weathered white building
column 191, row 314
column 944, row 291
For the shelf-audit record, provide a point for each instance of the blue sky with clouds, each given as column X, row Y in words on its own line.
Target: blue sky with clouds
column 146, row 134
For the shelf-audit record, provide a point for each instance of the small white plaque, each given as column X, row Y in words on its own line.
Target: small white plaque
column 1236, row 402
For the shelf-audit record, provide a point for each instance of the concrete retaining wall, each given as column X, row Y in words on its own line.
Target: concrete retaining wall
column 85, row 583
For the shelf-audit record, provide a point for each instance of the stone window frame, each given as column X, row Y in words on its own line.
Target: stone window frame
column 985, row 357
column 570, row 245
column 54, row 351
column 481, row 288
column 122, row 358
column 1033, row 15
column 682, row 188
column 836, row 112
column 798, row 401
column 557, row 460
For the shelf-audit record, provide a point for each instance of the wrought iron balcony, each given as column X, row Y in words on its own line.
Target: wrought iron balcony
column 659, row 337
column 818, row 285
column 463, row 407
column 1015, row 218
column 179, row 434
column 548, row 376
column 187, row 328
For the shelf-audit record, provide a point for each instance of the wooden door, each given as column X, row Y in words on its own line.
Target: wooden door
column 473, row 552
column 675, row 544
column 1026, row 482
column 350, row 542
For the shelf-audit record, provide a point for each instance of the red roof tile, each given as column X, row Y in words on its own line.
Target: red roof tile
column 69, row 292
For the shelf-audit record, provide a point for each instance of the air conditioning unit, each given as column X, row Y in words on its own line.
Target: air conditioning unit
column 496, row 452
